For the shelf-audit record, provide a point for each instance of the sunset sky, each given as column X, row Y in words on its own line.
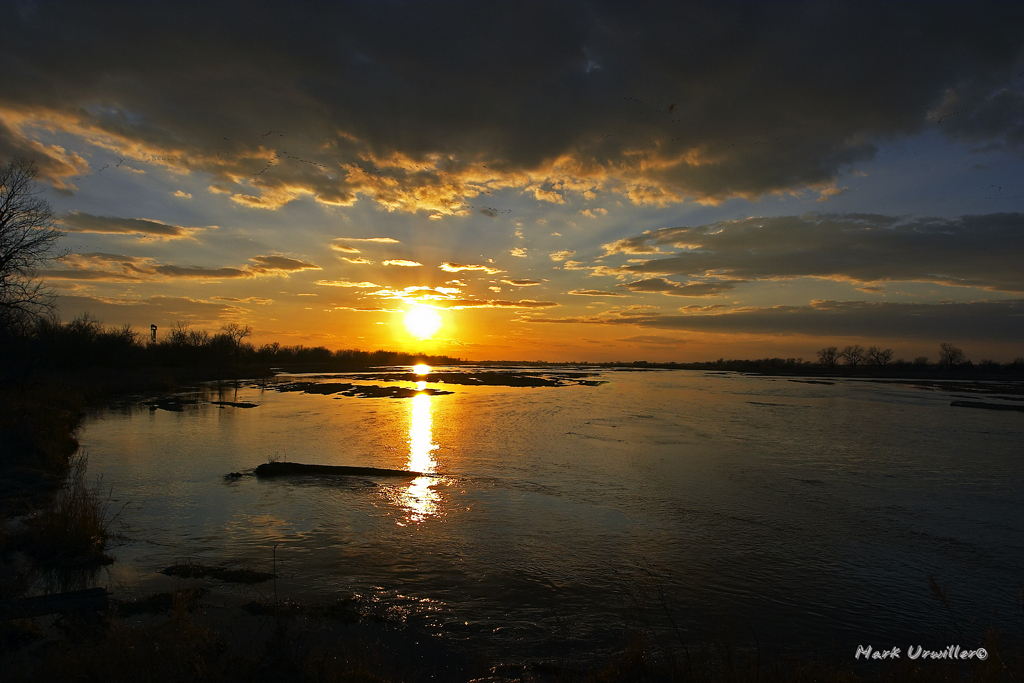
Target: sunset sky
column 560, row 181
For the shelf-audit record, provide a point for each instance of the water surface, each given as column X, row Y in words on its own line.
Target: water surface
column 808, row 513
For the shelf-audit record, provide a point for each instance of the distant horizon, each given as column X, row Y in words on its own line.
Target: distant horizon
column 812, row 358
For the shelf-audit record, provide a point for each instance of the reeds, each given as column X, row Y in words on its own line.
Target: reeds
column 74, row 530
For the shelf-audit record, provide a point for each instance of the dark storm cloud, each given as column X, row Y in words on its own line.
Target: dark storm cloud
column 423, row 105
column 981, row 321
column 78, row 221
column 981, row 251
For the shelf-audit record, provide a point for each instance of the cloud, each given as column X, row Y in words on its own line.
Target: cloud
column 382, row 240
column 338, row 245
column 204, row 273
column 977, row 251
column 78, row 221
column 401, row 262
column 594, row 213
column 495, row 303
column 562, row 255
column 657, row 123
column 183, row 195
column 518, row 251
column 247, row 300
column 521, row 283
column 82, row 274
column 345, row 283
column 659, row 284
column 592, row 292
column 280, row 264
column 367, row 309
column 99, row 266
column 976, row 321
column 358, row 261
column 459, row 267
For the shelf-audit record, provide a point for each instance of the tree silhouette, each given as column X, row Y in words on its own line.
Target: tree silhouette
column 236, row 333
column 28, row 239
column 877, row 356
column 852, row 355
column 951, row 356
column 828, row 356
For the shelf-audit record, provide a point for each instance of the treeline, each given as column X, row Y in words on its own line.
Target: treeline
column 853, row 359
column 86, row 342
column 950, row 358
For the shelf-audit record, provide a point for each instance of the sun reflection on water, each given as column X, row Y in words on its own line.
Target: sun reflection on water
column 421, row 499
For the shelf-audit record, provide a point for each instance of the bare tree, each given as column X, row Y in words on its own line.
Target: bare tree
column 828, row 356
column 236, row 333
column 852, row 355
column 877, row 356
column 28, row 239
column 950, row 356
column 181, row 334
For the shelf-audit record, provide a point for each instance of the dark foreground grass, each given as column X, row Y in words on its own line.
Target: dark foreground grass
column 191, row 641
column 179, row 637
column 54, row 522
column 72, row 531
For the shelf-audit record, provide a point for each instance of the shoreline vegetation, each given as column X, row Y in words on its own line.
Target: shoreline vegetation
column 56, row 528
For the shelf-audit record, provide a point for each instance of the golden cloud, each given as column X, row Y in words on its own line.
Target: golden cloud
column 459, row 267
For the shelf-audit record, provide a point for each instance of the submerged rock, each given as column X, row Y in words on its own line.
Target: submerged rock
column 190, row 570
column 358, row 390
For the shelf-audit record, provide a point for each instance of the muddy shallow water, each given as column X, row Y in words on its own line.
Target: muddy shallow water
column 805, row 513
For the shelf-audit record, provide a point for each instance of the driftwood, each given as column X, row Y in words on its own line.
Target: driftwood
column 986, row 406
column 281, row 469
column 40, row 605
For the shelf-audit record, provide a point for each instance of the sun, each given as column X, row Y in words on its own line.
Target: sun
column 422, row 322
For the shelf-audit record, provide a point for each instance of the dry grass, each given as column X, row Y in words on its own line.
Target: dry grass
column 74, row 530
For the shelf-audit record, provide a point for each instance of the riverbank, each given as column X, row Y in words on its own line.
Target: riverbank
column 182, row 636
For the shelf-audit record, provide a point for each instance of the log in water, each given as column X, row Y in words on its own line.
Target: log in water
column 281, row 469
column 986, row 406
